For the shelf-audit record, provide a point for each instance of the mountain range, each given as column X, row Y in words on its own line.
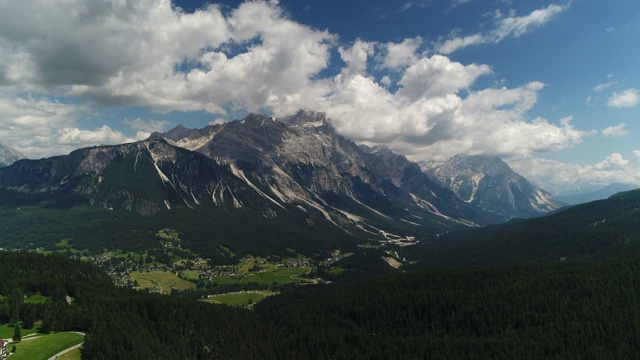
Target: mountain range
column 294, row 171
column 8, row 156
column 599, row 193
column 585, row 232
column 488, row 182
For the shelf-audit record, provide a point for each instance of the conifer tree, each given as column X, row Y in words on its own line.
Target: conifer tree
column 17, row 335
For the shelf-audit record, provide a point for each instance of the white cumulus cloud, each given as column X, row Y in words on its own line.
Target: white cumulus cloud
column 103, row 135
column 254, row 57
column 401, row 54
column 625, row 99
column 557, row 176
column 616, row 131
column 138, row 124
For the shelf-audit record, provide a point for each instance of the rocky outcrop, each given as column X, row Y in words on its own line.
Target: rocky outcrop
column 8, row 156
column 297, row 165
column 491, row 184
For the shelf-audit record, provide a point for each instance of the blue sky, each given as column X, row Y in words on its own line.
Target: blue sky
column 553, row 87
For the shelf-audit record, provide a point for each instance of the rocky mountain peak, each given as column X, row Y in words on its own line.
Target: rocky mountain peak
column 256, row 119
column 178, row 133
column 297, row 166
column 382, row 150
column 490, row 183
column 8, row 156
column 306, row 118
column 485, row 164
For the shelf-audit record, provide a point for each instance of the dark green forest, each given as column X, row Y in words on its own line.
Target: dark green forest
column 566, row 310
column 586, row 232
column 202, row 231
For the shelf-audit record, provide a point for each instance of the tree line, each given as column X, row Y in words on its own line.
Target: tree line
column 579, row 311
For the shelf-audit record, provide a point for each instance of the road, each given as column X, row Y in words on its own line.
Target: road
column 54, row 357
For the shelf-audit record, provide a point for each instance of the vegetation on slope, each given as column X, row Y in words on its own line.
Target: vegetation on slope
column 567, row 310
column 207, row 231
column 581, row 233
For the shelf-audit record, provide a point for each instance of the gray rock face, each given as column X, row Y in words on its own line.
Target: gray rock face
column 8, row 156
column 295, row 165
column 492, row 185
column 146, row 177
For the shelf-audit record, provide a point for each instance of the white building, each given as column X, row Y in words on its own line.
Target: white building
column 3, row 349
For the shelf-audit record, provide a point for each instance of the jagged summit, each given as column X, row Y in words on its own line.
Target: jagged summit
column 489, row 165
column 8, row 156
column 378, row 149
column 296, row 166
column 305, row 117
column 178, row 132
column 490, row 183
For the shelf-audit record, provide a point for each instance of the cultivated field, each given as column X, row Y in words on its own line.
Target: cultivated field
column 239, row 299
column 164, row 279
column 6, row 331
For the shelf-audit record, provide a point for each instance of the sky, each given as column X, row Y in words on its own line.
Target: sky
column 552, row 87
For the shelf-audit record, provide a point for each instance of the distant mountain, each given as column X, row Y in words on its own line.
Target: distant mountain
column 491, row 184
column 588, row 231
column 296, row 172
column 8, row 156
column 301, row 160
column 601, row 193
column 145, row 177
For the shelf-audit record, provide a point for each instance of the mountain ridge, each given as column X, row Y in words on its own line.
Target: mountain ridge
column 598, row 194
column 583, row 232
column 295, row 168
column 8, row 156
column 490, row 183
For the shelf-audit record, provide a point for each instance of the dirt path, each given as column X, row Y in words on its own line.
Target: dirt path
column 54, row 357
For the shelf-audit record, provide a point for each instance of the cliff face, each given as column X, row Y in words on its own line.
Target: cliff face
column 295, row 165
column 491, row 184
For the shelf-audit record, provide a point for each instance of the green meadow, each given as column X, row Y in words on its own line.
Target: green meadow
column 239, row 299
column 165, row 279
column 46, row 346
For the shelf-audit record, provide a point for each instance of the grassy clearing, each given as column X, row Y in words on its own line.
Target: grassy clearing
column 226, row 251
column 191, row 275
column 250, row 262
column 239, row 299
column 165, row 279
column 36, row 299
column 279, row 276
column 46, row 346
column 33, row 299
column 71, row 355
column 6, row 332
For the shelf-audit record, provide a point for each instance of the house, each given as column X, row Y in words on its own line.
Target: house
column 3, row 349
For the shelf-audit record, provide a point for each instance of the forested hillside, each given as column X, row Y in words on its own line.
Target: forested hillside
column 595, row 230
column 525, row 312
column 202, row 230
